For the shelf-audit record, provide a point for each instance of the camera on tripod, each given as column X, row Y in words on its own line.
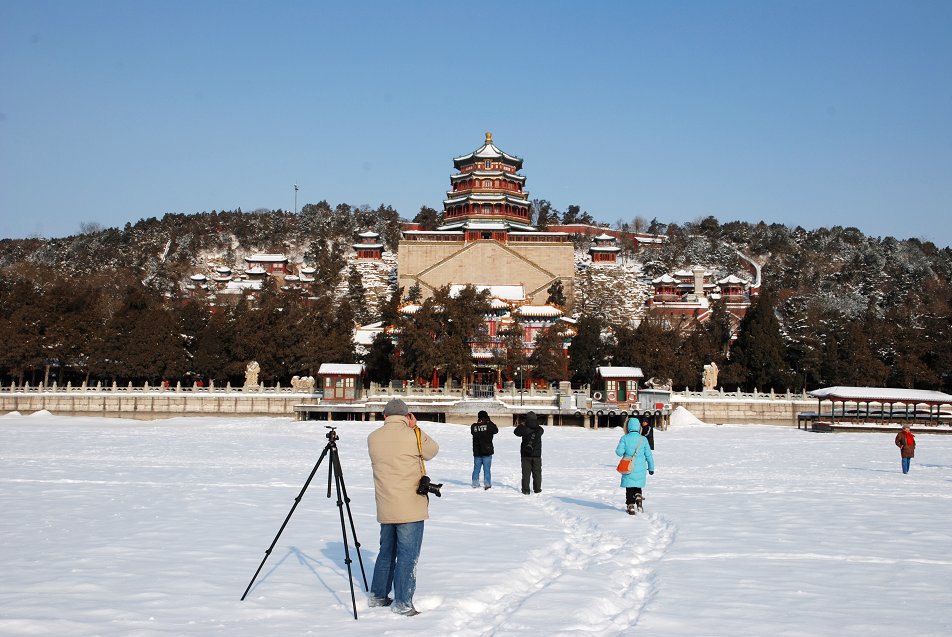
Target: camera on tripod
column 332, row 434
column 426, row 486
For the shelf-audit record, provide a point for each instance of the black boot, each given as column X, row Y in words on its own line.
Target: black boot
column 638, row 502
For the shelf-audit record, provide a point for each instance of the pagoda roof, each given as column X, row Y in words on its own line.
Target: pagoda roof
column 664, row 278
column 367, row 246
column 604, row 237
column 604, row 249
column 487, row 151
column 369, row 235
column 485, row 224
column 487, row 174
column 486, row 197
column 197, row 277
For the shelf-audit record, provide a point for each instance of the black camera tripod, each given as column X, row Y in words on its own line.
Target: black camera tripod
column 334, row 474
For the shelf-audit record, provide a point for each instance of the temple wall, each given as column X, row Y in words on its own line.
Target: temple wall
column 535, row 266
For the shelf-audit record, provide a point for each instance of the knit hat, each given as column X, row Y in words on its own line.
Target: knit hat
column 482, row 415
column 395, row 407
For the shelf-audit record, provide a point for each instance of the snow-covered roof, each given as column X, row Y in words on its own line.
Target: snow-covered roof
column 538, row 310
column 365, row 334
column 733, row 280
column 347, row 369
column 480, row 224
column 487, row 174
column 409, row 308
column 266, row 258
column 498, row 304
column 504, row 292
column 540, row 233
column 222, row 269
column 604, row 249
column 198, row 277
column 292, row 277
column 440, row 231
column 367, row 246
column 369, row 235
column 882, row 395
column 620, row 372
column 486, row 197
column 604, row 237
column 487, row 151
column 256, row 270
column 308, row 270
column 664, row 278
column 482, row 355
column 235, row 287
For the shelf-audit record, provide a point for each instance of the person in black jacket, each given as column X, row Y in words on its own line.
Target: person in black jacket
column 483, row 431
column 531, row 451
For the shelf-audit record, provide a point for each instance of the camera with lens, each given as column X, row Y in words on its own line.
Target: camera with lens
column 426, row 486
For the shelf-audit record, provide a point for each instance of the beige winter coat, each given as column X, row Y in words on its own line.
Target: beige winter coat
column 396, row 466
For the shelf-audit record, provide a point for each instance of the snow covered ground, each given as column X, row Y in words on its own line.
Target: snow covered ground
column 121, row 527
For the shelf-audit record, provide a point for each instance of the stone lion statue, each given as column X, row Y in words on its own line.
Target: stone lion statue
column 251, row 374
column 302, row 383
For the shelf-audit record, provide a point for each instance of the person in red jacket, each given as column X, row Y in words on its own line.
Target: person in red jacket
column 906, row 442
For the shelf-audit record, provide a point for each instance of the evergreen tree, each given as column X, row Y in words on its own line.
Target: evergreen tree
column 428, row 218
column 379, row 360
column 758, row 357
column 548, row 359
column 556, row 293
column 588, row 350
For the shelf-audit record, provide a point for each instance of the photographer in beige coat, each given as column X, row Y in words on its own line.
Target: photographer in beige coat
column 397, row 468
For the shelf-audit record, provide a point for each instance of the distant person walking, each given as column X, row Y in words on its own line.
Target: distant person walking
column 483, row 431
column 635, row 446
column 906, row 442
column 531, row 451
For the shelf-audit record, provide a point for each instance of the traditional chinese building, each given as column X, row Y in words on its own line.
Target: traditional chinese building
column 368, row 246
column 685, row 296
column 266, row 263
column 487, row 238
column 603, row 249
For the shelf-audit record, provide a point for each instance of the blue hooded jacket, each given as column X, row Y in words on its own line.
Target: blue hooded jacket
column 643, row 461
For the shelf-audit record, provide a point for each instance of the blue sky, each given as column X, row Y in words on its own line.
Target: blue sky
column 804, row 113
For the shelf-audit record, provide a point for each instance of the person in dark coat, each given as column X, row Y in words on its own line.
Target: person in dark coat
column 483, row 431
column 531, row 451
column 906, row 442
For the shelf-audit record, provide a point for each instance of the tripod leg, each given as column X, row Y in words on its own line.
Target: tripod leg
column 335, row 460
column 297, row 500
column 343, row 530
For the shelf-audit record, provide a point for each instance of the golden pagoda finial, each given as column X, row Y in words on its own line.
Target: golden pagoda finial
column 489, row 138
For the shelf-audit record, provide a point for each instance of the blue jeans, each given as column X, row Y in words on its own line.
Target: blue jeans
column 486, row 462
column 905, row 464
column 396, row 563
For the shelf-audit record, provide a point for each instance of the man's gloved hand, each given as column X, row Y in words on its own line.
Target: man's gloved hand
column 651, row 473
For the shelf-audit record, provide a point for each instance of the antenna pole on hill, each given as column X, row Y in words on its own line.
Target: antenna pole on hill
column 335, row 476
column 295, row 198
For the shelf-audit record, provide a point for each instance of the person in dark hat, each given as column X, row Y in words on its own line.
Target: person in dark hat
column 531, row 451
column 396, row 456
column 483, row 431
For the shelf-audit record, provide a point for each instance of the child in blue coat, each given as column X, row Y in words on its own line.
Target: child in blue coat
column 635, row 445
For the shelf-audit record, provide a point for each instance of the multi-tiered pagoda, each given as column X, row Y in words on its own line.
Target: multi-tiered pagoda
column 487, row 239
column 487, row 189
